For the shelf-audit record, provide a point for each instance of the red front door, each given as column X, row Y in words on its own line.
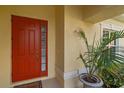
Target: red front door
column 26, row 48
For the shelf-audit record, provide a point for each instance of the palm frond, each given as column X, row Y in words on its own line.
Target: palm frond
column 83, row 36
column 102, row 59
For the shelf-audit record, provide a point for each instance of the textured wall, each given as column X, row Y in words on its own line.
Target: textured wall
column 40, row 12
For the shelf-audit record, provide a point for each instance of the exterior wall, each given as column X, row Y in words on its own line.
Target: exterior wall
column 40, row 12
column 59, row 64
column 73, row 45
column 73, row 21
column 63, row 46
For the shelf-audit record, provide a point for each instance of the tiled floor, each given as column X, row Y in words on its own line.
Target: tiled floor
column 51, row 83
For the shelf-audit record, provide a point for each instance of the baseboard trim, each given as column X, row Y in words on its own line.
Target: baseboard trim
column 70, row 74
column 73, row 74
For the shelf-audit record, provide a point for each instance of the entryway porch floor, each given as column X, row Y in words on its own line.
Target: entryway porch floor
column 51, row 83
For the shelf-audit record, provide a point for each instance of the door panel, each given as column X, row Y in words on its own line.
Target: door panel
column 26, row 46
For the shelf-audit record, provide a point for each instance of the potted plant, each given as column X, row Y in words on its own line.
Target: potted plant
column 99, row 60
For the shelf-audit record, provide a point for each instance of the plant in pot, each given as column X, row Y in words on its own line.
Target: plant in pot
column 100, row 62
column 111, row 68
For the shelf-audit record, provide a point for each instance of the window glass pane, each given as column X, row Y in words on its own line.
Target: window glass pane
column 114, row 43
column 43, row 59
column 43, row 42
column 43, row 50
column 113, row 34
column 105, row 35
column 43, row 29
column 43, row 67
column 43, row 37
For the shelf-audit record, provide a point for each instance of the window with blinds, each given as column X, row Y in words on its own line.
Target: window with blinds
column 107, row 33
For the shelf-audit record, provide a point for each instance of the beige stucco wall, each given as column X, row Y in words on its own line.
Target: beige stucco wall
column 62, row 22
column 59, row 64
column 73, row 21
column 73, row 45
column 40, row 12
